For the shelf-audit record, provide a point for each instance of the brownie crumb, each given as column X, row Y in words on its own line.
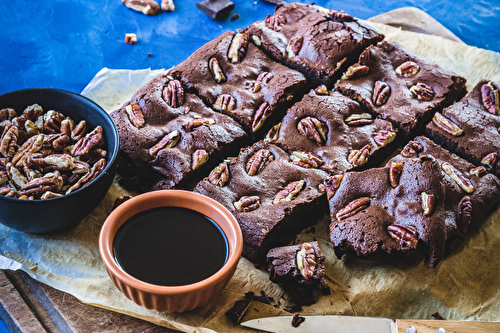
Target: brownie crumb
column 235, row 16
column 437, row 316
column 297, row 320
column 238, row 310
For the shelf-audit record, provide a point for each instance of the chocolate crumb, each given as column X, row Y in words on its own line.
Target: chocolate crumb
column 238, row 310
column 297, row 320
column 263, row 298
column 235, row 16
column 437, row 316
column 149, row 54
column 120, row 200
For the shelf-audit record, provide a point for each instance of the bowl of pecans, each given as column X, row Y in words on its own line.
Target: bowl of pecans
column 58, row 156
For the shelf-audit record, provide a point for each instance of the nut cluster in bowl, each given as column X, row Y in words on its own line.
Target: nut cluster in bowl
column 47, row 154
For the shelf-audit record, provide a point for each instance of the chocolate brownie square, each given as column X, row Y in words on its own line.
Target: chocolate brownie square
column 399, row 86
column 168, row 137
column 299, row 269
column 471, row 127
column 389, row 210
column 272, row 198
column 234, row 77
column 333, row 131
column 470, row 192
column 319, row 42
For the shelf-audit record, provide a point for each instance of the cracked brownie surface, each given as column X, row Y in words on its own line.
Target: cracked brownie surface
column 399, row 86
column 470, row 128
column 371, row 216
column 272, row 198
column 244, row 84
column 470, row 192
column 317, row 41
column 172, row 144
column 336, row 130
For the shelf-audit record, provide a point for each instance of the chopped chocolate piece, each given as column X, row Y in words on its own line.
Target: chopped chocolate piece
column 469, row 197
column 331, row 132
column 263, row 298
column 370, row 216
column 437, row 316
column 401, row 86
column 319, row 42
column 478, row 140
column 299, row 269
column 237, row 312
column 235, row 16
column 297, row 320
column 271, row 205
column 216, row 9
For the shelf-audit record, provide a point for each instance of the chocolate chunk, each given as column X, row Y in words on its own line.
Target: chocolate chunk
column 216, row 9
column 238, row 310
column 297, row 320
column 437, row 316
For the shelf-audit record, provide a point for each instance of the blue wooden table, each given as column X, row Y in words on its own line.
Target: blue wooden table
column 63, row 44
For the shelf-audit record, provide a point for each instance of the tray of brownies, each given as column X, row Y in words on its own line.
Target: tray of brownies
column 363, row 174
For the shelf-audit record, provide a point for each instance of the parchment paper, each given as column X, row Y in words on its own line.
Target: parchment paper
column 464, row 286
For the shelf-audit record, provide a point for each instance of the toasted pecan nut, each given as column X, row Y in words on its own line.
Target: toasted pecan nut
column 314, row 129
column 262, row 113
column 446, row 124
column 428, row 201
column 289, row 192
column 463, row 182
column 258, row 161
column 321, row 90
column 7, row 114
column 200, row 157
column 359, row 119
column 490, row 160
column 359, row 157
column 135, row 115
column 306, row 260
column 423, row 91
column 478, row 171
column 89, row 142
column 464, row 214
column 491, row 98
column 381, row 93
column 383, row 137
column 274, row 22
column 173, row 93
column 238, row 48
column 264, row 78
column 216, row 70
column 412, row 149
column 395, row 171
column 406, row 235
column 247, row 203
column 168, row 141
column 197, row 122
column 294, row 46
column 52, row 121
column 273, row 133
column 148, row 7
column 332, row 183
column 355, row 71
column 225, row 102
column 306, row 159
column 219, row 175
column 353, row 208
column 8, row 141
column 408, row 69
column 167, row 5
column 130, row 38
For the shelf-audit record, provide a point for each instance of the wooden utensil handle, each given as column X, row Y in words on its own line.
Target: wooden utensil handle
column 430, row 326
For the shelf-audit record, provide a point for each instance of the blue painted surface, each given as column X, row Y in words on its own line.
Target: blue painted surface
column 63, row 44
column 3, row 328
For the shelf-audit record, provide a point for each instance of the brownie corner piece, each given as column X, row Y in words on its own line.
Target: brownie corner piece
column 470, row 127
column 317, row 41
column 390, row 81
column 298, row 268
column 389, row 211
column 272, row 198
column 169, row 137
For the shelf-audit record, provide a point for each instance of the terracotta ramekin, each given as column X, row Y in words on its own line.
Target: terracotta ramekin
column 167, row 298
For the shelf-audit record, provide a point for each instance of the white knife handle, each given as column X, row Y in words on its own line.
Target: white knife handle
column 430, row 326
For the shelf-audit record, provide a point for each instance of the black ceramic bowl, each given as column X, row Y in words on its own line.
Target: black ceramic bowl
column 43, row 216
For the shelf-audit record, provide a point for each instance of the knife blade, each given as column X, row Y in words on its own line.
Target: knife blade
column 318, row 324
column 351, row 324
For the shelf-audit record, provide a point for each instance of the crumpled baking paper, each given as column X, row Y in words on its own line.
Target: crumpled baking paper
column 464, row 286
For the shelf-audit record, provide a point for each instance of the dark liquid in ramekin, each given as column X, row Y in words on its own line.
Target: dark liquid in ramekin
column 170, row 246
